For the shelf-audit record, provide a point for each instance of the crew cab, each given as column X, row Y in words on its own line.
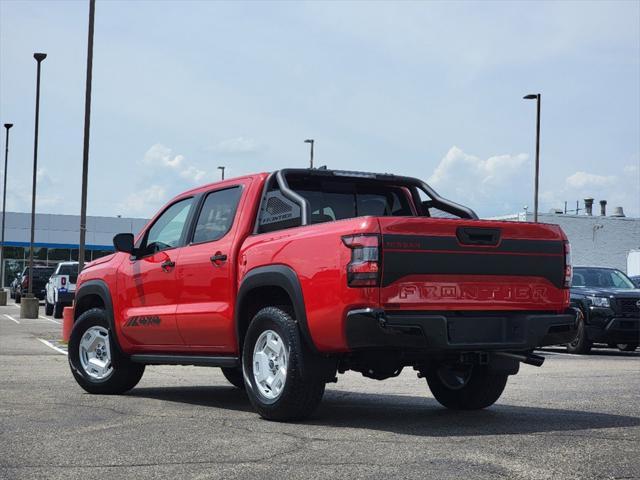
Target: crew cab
column 60, row 288
column 608, row 304
column 286, row 279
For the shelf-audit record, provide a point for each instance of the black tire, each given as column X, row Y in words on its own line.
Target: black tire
column 18, row 298
column 57, row 310
column 627, row 347
column 481, row 389
column 48, row 308
column 581, row 344
column 303, row 389
column 125, row 374
column 234, row 376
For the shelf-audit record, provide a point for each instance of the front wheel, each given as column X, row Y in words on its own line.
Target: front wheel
column 627, row 347
column 278, row 368
column 465, row 387
column 18, row 298
column 580, row 344
column 48, row 308
column 94, row 359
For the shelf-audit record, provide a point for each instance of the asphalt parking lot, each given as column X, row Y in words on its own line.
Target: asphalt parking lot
column 577, row 417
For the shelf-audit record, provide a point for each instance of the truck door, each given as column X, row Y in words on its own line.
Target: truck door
column 206, row 273
column 147, row 287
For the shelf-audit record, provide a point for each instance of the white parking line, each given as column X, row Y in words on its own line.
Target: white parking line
column 11, row 318
column 51, row 345
column 50, row 320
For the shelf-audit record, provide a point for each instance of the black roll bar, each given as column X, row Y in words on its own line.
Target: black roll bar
column 435, row 200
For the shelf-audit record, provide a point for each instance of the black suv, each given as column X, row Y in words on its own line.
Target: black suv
column 610, row 309
column 41, row 276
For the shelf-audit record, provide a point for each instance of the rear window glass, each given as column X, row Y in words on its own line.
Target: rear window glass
column 68, row 269
column 42, row 272
column 331, row 200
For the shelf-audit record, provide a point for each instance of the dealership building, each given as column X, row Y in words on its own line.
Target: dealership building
column 57, row 239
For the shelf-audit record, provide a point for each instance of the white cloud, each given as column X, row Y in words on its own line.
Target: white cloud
column 623, row 190
column 160, row 155
column 193, row 174
column 237, row 145
column 584, row 180
column 489, row 186
column 145, row 201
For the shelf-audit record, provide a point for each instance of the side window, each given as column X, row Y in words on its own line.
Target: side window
column 217, row 214
column 167, row 230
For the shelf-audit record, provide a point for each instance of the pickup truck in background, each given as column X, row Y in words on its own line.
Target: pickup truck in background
column 61, row 288
column 286, row 279
column 41, row 276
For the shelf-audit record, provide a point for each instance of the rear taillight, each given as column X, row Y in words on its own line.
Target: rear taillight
column 63, row 281
column 364, row 268
column 568, row 268
column 25, row 282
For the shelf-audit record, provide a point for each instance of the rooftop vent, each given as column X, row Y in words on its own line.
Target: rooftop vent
column 618, row 212
column 588, row 206
column 603, row 208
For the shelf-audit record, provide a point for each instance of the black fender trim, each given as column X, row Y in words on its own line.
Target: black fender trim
column 275, row 276
column 99, row 288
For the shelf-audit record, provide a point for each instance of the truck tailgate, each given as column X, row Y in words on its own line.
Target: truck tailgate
column 444, row 264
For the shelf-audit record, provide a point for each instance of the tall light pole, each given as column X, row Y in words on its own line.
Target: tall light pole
column 39, row 58
column 538, row 97
column 310, row 141
column 7, row 126
column 85, row 149
column 221, row 168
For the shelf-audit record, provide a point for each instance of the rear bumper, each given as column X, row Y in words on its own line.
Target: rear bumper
column 616, row 330
column 66, row 297
column 373, row 328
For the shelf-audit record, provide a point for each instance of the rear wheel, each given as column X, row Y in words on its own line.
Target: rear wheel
column 627, row 347
column 234, row 376
column 465, row 387
column 580, row 344
column 48, row 308
column 278, row 368
column 94, row 360
column 57, row 310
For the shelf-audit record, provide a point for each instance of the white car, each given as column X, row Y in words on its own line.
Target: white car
column 61, row 288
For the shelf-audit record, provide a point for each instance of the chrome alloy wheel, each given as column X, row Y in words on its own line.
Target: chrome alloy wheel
column 270, row 364
column 95, row 353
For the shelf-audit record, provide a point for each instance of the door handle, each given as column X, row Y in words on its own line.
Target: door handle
column 218, row 257
column 167, row 265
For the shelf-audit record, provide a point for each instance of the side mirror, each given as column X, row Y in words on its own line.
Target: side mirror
column 123, row 242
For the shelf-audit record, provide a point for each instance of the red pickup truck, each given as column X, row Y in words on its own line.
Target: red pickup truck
column 286, row 279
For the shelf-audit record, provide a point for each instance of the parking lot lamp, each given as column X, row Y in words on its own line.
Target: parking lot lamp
column 310, row 141
column 538, row 97
column 39, row 58
column 7, row 126
column 221, row 168
column 85, row 148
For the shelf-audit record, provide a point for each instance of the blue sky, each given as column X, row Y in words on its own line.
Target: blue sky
column 428, row 89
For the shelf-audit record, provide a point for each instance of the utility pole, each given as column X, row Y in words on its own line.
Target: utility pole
column 85, row 149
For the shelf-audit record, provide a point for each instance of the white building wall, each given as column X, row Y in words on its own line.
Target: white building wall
column 65, row 229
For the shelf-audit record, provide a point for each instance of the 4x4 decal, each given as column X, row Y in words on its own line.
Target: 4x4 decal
column 143, row 321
